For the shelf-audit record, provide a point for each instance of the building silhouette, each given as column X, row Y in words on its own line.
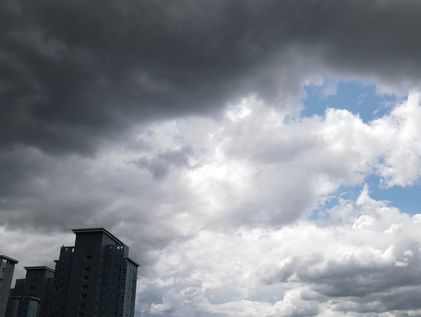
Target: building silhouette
column 95, row 277
column 7, row 266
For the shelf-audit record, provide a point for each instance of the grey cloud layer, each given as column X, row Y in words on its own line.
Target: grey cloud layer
column 252, row 170
column 77, row 73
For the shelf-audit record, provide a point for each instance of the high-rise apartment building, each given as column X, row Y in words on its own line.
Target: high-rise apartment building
column 96, row 277
column 7, row 266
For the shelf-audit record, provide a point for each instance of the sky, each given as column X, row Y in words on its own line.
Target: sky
column 260, row 158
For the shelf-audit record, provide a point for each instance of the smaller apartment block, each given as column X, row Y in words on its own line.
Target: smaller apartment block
column 7, row 266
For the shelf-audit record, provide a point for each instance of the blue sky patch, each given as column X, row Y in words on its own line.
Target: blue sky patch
column 355, row 96
column 360, row 98
column 407, row 199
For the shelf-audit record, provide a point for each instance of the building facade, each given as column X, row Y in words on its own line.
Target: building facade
column 7, row 267
column 95, row 277
column 20, row 306
column 62, row 281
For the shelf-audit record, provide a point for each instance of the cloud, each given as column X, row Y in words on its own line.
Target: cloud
column 270, row 170
column 160, row 164
column 401, row 164
column 253, row 167
column 366, row 266
column 75, row 77
column 224, row 230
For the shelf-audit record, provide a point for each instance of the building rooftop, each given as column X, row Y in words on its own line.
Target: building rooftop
column 96, row 230
column 130, row 260
column 9, row 259
column 33, row 268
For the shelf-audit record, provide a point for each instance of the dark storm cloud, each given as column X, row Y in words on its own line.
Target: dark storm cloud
column 73, row 74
